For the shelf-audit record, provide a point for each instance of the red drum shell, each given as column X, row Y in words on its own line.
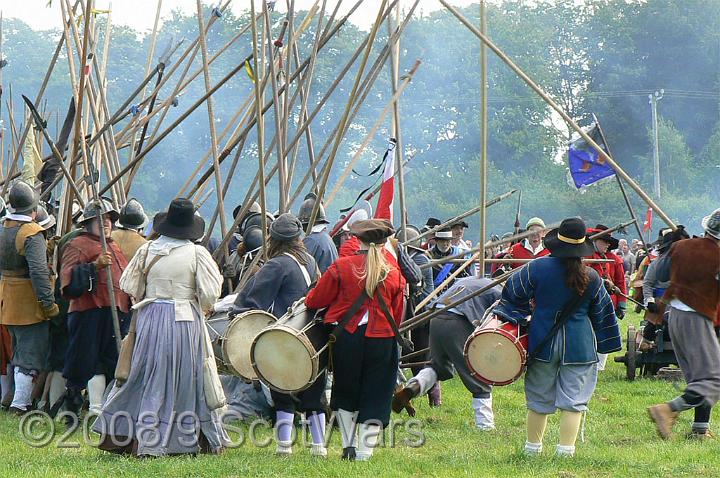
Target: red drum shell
column 496, row 353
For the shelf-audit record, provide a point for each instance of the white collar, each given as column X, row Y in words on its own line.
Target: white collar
column 18, row 217
column 319, row 228
column 164, row 244
column 535, row 252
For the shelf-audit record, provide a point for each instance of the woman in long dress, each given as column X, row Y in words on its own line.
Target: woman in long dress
column 161, row 409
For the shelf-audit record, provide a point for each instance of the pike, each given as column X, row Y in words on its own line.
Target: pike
column 162, row 62
column 467, row 213
column 42, row 126
column 612, row 229
column 425, row 317
column 489, row 245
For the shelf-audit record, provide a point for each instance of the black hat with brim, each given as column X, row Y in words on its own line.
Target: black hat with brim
column 180, row 221
column 569, row 240
column 614, row 243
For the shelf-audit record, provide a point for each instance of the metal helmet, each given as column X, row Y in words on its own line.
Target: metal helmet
column 22, row 198
column 409, row 235
column 711, row 224
column 306, row 209
column 252, row 238
column 93, row 209
column 253, row 209
column 132, row 215
column 255, row 219
column 43, row 218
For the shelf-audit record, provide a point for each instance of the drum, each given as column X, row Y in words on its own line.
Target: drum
column 231, row 340
column 496, row 352
column 290, row 354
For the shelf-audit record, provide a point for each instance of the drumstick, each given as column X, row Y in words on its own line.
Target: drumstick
column 414, row 364
column 415, row 354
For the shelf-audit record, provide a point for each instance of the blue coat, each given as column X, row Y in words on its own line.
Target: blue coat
column 592, row 328
column 321, row 246
column 276, row 286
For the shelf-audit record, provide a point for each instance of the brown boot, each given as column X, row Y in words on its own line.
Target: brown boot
column 401, row 398
column 664, row 418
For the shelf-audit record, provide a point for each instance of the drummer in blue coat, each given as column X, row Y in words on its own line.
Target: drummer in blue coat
column 562, row 371
column 282, row 280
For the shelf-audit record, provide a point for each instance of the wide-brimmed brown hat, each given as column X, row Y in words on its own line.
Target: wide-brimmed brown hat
column 372, row 231
column 569, row 240
column 180, row 221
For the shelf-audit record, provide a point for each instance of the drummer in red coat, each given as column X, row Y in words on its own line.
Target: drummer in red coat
column 532, row 247
column 612, row 273
column 365, row 354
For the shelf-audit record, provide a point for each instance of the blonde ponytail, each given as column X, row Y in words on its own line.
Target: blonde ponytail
column 376, row 270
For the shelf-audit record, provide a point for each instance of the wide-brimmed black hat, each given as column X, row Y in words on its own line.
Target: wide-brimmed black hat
column 614, row 243
column 569, row 239
column 180, row 221
column 459, row 223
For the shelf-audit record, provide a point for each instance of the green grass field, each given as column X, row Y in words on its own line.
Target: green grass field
column 619, row 441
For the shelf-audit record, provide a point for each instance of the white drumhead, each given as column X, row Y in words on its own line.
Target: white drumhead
column 283, row 359
column 239, row 338
column 494, row 357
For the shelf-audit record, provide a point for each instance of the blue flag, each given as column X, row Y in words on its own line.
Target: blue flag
column 587, row 166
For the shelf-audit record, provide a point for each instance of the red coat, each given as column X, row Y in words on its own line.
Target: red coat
column 339, row 287
column 349, row 247
column 85, row 248
column 519, row 251
column 614, row 271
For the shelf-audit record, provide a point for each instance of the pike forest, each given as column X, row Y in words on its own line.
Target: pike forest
column 603, row 57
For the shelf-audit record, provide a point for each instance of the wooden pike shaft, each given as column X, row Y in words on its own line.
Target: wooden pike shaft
column 518, row 261
column 467, row 213
column 370, row 135
column 259, row 123
column 518, row 71
column 279, row 127
column 343, row 121
column 423, row 318
column 366, row 88
column 226, row 152
column 483, row 133
column 489, row 245
column 466, row 263
column 211, row 121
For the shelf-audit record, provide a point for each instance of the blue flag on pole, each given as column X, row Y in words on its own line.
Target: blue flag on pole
column 587, row 166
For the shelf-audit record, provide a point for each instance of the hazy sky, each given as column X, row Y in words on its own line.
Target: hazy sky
column 140, row 14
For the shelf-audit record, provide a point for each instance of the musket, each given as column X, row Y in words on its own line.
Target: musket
column 612, row 229
column 467, row 213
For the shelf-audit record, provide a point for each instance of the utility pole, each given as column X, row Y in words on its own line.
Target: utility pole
column 654, row 98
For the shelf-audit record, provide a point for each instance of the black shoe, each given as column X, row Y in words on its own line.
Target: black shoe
column 19, row 412
column 348, row 454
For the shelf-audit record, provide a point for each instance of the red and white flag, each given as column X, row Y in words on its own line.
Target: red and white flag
column 647, row 225
column 387, row 190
